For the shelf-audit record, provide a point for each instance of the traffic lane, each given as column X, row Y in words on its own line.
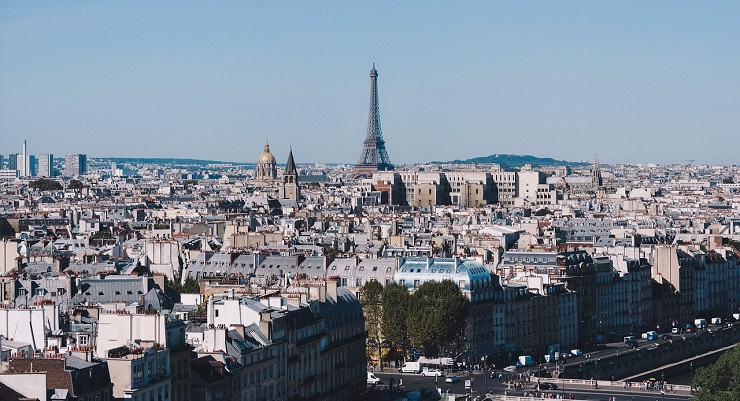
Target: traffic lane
column 415, row 381
column 631, row 396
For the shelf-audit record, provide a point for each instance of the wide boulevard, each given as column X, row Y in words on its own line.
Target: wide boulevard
column 481, row 384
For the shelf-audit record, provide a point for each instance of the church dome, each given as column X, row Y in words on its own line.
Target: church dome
column 266, row 157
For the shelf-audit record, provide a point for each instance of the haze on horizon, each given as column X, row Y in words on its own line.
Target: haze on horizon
column 634, row 81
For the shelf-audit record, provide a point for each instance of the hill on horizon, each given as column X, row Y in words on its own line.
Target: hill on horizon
column 166, row 161
column 516, row 161
column 506, row 161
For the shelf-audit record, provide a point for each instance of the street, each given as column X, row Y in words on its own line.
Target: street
column 482, row 384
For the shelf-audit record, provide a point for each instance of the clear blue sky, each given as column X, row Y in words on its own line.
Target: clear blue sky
column 641, row 81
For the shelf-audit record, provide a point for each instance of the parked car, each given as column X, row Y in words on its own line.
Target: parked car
column 511, row 368
column 452, row 379
column 548, row 386
column 432, row 372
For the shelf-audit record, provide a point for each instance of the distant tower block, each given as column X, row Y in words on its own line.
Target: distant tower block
column 374, row 156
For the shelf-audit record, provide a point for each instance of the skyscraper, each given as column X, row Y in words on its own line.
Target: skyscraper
column 24, row 162
column 13, row 161
column 45, row 165
column 75, row 165
column 374, row 156
column 25, row 165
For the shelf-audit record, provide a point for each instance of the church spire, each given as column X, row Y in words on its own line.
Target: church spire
column 290, row 166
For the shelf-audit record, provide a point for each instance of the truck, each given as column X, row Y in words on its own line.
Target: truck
column 524, row 360
column 628, row 339
column 716, row 321
column 553, row 353
column 700, row 323
column 410, row 367
column 650, row 335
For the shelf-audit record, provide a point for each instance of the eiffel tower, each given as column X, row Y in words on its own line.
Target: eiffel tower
column 374, row 156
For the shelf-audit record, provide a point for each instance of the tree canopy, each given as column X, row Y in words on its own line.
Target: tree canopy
column 719, row 381
column 44, row 184
column 395, row 311
column 371, row 296
column 543, row 212
column 75, row 184
column 190, row 286
column 439, row 316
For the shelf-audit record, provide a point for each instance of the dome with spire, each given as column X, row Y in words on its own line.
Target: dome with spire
column 266, row 165
column 266, row 156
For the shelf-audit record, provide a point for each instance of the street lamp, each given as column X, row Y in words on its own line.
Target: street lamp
column 597, row 373
column 691, row 385
column 562, row 379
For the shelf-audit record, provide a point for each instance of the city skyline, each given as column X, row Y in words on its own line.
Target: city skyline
column 563, row 80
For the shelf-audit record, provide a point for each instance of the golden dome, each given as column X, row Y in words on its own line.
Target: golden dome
column 266, row 157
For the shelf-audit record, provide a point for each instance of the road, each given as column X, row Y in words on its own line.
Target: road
column 483, row 384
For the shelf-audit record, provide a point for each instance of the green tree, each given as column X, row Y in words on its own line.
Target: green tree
column 75, row 184
column 102, row 234
column 719, row 381
column 371, row 298
column 44, row 184
column 173, row 284
column 439, row 317
column 395, row 310
column 190, row 286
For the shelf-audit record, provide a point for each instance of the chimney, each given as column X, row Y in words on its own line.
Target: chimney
column 239, row 328
column 331, row 289
column 266, row 324
column 322, row 293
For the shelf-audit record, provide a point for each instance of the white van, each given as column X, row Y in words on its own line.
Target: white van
column 372, row 379
column 410, row 367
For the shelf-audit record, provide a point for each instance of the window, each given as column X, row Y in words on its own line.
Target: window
column 216, row 312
